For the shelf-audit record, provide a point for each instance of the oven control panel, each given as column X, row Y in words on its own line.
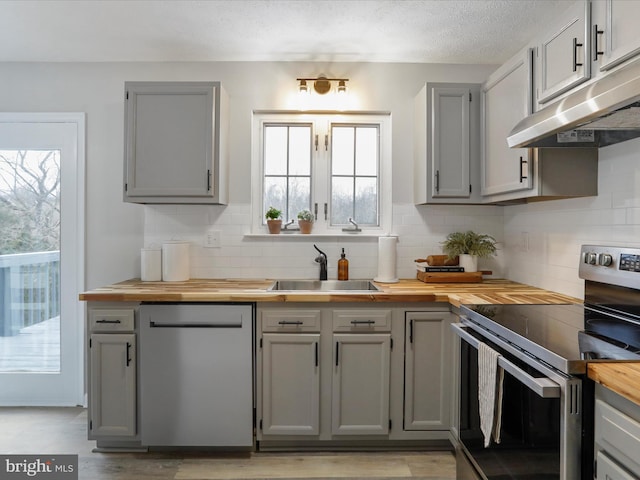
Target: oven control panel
column 615, row 265
column 629, row 262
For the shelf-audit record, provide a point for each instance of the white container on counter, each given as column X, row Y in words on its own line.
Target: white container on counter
column 387, row 260
column 151, row 264
column 175, row 261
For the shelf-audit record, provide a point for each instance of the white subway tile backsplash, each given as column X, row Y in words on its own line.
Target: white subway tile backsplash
column 539, row 242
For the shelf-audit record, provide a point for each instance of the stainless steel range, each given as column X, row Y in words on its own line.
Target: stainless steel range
column 547, row 404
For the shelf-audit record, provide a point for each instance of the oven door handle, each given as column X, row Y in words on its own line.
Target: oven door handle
column 543, row 387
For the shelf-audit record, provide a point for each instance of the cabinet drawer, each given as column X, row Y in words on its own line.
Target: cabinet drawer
column 362, row 320
column 291, row 320
column 116, row 320
column 618, row 435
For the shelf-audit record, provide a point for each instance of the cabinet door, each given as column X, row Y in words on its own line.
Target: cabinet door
column 446, row 139
column 290, row 384
column 112, row 394
column 427, row 394
column 170, row 139
column 360, row 394
column 450, row 142
column 563, row 57
column 619, row 40
column 506, row 99
column 608, row 469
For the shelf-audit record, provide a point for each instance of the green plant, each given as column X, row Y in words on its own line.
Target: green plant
column 459, row 243
column 305, row 215
column 273, row 214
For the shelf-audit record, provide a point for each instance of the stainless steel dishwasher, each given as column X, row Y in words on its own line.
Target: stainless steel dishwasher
column 196, row 375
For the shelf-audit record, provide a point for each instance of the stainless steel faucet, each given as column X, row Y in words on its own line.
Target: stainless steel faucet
column 355, row 227
column 322, row 260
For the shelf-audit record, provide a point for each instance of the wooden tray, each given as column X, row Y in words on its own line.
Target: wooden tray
column 451, row 277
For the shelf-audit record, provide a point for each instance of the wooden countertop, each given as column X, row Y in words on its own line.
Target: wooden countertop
column 621, row 377
column 491, row 291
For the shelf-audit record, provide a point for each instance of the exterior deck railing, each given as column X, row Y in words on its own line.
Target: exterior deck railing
column 29, row 290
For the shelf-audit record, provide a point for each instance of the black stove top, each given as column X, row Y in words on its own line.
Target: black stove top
column 552, row 327
column 556, row 333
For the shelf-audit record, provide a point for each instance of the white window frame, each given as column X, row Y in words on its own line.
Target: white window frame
column 321, row 174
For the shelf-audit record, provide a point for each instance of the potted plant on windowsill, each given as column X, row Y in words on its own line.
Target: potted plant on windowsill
column 305, row 221
column 469, row 246
column 274, row 220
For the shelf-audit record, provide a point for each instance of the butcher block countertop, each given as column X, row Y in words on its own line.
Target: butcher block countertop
column 621, row 377
column 491, row 291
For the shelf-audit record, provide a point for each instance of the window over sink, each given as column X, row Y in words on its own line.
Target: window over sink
column 338, row 166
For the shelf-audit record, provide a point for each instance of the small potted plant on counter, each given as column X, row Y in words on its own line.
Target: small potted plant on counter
column 469, row 246
column 305, row 221
column 274, row 220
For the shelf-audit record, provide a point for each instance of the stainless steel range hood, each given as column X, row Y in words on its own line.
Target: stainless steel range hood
column 601, row 113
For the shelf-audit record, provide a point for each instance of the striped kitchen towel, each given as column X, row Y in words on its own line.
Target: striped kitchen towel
column 490, row 379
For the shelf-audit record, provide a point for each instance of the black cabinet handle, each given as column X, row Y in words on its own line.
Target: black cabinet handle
column 522, row 162
column 596, row 34
column 437, row 181
column 316, row 354
column 128, row 353
column 337, row 352
column 208, row 180
column 289, row 322
column 575, row 54
column 104, row 320
column 362, row 322
column 410, row 331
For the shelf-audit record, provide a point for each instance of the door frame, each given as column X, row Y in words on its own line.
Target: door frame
column 75, row 242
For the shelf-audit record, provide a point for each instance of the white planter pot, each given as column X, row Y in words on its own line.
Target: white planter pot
column 469, row 262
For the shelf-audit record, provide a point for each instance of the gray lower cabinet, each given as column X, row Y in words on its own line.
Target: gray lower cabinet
column 360, row 387
column 112, row 374
column 352, row 374
column 427, row 387
column 290, row 384
column 617, row 436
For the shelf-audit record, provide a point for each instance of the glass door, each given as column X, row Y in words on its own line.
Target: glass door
column 41, row 259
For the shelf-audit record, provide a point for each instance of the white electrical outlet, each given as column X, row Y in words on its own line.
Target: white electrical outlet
column 212, row 239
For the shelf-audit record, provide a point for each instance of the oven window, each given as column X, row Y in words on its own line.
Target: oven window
column 530, row 433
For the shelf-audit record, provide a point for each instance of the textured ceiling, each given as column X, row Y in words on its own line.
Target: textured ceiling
column 423, row 31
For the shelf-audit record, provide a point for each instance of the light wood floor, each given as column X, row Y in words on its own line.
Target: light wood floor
column 41, row 431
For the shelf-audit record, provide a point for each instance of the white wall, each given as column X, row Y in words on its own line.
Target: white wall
column 557, row 229
column 116, row 230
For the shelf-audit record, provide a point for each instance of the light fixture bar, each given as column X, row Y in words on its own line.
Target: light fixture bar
column 322, row 84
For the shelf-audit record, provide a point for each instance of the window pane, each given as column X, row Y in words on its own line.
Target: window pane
column 367, row 151
column 275, row 194
column 342, row 145
column 341, row 200
column 299, row 196
column 275, row 150
column 366, row 207
column 299, row 150
column 30, row 261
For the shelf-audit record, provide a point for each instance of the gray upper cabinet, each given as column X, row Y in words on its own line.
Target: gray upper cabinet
column 506, row 99
column 175, row 142
column 446, row 139
column 562, row 59
column 614, row 32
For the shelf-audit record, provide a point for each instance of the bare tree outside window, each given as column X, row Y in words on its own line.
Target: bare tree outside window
column 29, row 201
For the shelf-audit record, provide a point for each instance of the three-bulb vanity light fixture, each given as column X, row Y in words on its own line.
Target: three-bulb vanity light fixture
column 322, row 84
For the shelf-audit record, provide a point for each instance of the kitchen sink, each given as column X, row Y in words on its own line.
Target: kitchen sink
column 324, row 286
